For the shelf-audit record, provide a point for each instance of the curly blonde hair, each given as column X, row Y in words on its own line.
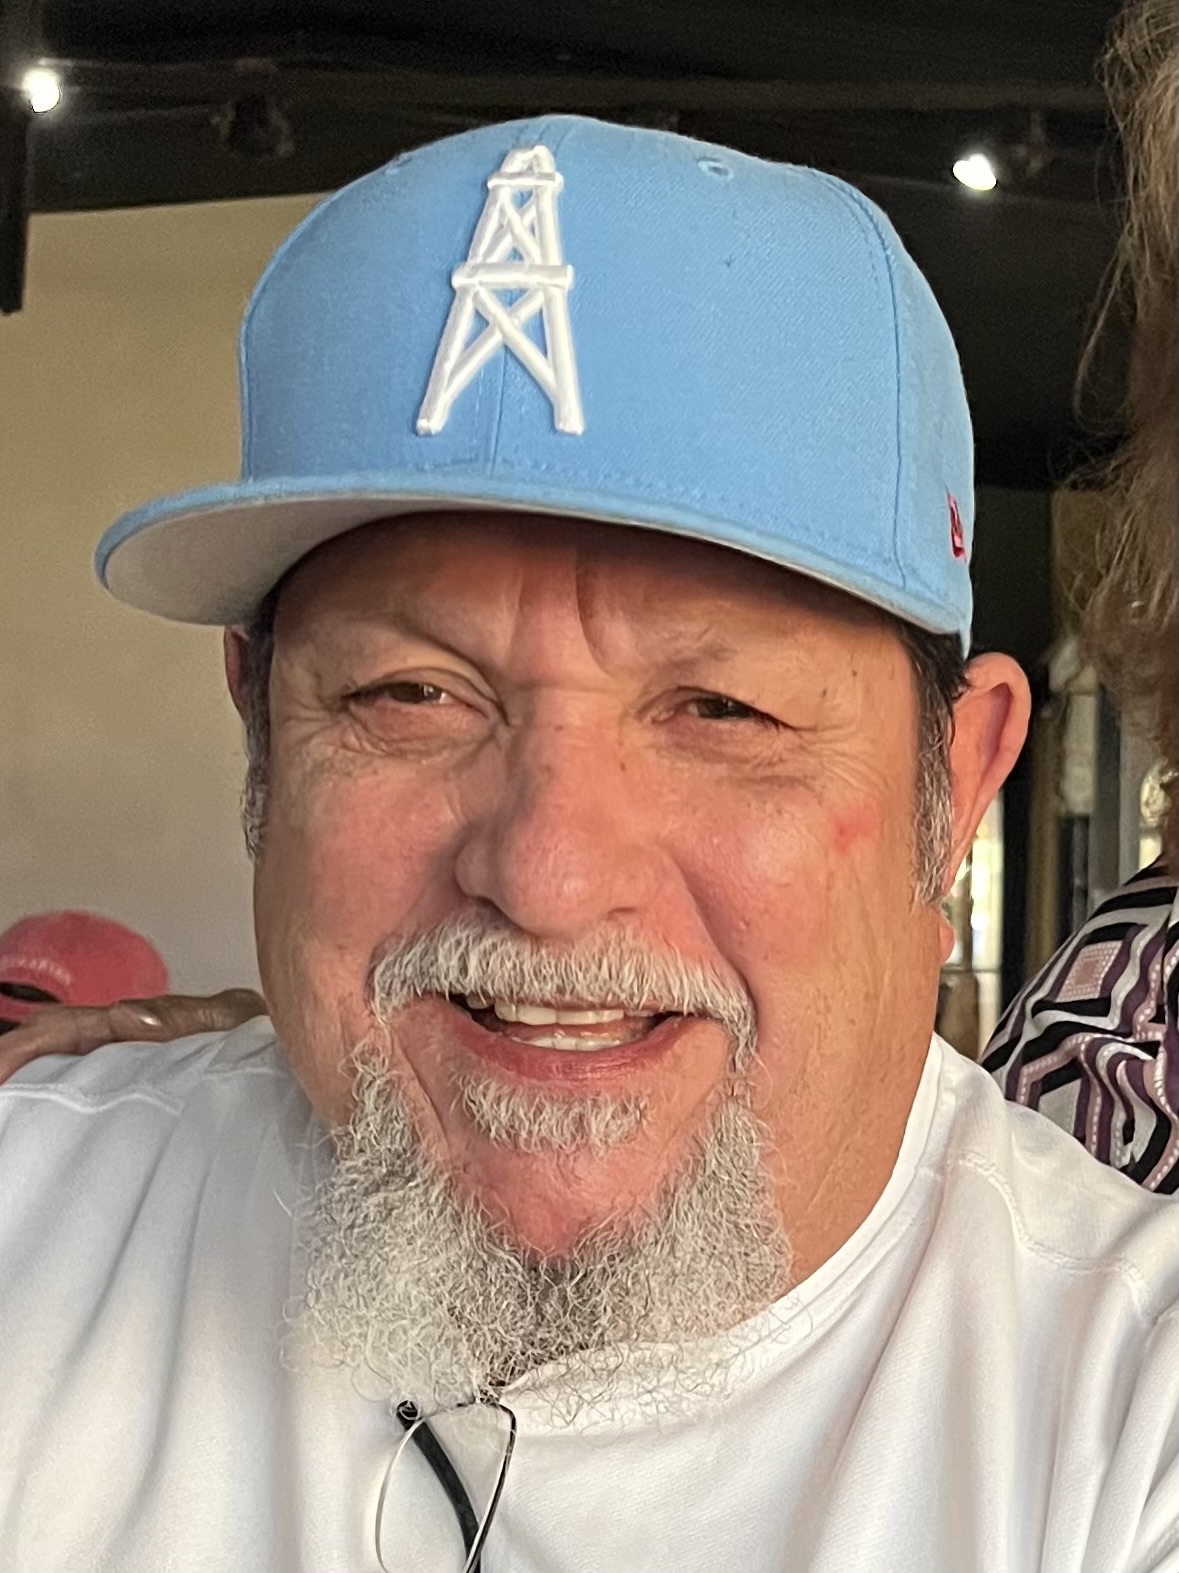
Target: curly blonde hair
column 1130, row 623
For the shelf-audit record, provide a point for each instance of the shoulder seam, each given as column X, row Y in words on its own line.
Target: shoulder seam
column 84, row 1103
column 90, row 1103
column 223, row 1072
column 1117, row 1265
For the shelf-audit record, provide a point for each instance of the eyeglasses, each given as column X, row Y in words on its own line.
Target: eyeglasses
column 432, row 1518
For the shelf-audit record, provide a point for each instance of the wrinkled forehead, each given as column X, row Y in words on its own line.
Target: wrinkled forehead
column 465, row 568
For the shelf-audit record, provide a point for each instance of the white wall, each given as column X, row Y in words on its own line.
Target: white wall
column 120, row 755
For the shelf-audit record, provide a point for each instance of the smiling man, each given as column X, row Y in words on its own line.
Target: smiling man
column 596, row 596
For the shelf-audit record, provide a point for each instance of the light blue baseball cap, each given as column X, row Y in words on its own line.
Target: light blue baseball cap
column 564, row 317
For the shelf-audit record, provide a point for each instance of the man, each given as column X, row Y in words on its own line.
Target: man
column 596, row 596
column 72, row 958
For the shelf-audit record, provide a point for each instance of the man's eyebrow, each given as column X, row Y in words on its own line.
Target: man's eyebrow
column 402, row 616
column 678, row 654
column 396, row 618
column 684, row 653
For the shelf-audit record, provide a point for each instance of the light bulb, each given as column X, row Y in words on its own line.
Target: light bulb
column 42, row 88
column 976, row 171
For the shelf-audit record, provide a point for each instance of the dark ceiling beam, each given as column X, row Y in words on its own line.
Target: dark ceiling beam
column 490, row 89
column 20, row 39
column 839, row 40
column 14, row 197
column 100, row 153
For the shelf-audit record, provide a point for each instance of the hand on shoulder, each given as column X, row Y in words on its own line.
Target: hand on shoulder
column 76, row 1029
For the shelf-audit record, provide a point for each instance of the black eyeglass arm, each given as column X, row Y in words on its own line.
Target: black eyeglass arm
column 496, row 1494
column 446, row 1475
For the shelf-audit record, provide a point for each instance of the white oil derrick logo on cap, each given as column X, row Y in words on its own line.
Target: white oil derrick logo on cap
column 517, row 248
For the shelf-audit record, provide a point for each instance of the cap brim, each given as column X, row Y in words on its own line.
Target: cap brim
column 210, row 556
column 20, row 1011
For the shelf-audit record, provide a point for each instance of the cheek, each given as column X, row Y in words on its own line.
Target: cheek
column 351, row 850
column 809, row 900
column 856, row 825
column 870, row 857
column 349, row 858
column 779, row 887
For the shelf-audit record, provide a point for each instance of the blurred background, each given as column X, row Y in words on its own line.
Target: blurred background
column 153, row 154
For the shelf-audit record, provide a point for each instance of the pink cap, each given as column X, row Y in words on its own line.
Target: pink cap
column 80, row 959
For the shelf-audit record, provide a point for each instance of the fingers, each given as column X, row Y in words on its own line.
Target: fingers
column 180, row 1015
column 64, row 1029
column 59, row 1029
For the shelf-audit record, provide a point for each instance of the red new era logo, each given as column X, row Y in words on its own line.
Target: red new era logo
column 957, row 537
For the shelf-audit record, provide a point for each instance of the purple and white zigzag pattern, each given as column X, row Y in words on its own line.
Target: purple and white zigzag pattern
column 1093, row 1040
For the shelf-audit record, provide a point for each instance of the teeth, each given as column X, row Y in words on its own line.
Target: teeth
column 545, row 1016
column 530, row 1015
column 561, row 1040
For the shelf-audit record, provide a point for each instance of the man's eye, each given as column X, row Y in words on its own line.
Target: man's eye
column 407, row 693
column 719, row 707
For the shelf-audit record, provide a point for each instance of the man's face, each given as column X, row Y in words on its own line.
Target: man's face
column 582, row 735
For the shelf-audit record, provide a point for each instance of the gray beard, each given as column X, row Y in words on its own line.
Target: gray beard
column 413, row 1284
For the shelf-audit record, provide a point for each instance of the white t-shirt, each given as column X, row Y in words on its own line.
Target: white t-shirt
column 984, row 1379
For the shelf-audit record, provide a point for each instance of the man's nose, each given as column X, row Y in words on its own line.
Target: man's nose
column 561, row 847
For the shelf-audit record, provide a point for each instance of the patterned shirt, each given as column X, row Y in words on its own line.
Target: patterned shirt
column 1093, row 1040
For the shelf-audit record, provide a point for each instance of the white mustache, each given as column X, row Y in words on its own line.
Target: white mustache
column 478, row 956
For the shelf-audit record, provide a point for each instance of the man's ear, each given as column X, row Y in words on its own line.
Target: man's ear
column 234, row 643
column 990, row 725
